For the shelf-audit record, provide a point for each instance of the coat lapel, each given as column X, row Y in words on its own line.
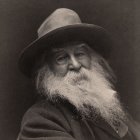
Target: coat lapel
column 106, row 127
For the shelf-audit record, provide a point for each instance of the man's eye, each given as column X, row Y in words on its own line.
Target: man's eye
column 61, row 59
column 80, row 54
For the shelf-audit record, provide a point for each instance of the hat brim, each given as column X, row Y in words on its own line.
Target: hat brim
column 95, row 36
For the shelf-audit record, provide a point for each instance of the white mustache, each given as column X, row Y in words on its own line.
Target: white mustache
column 77, row 77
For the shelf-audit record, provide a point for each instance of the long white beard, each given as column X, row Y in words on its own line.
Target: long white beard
column 88, row 90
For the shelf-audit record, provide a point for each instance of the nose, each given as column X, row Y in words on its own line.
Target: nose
column 74, row 64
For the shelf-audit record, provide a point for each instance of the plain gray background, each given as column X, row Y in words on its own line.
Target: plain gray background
column 19, row 20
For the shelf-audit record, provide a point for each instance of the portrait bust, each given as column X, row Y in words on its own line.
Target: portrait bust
column 79, row 101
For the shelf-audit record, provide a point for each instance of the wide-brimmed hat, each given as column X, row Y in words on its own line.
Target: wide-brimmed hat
column 63, row 25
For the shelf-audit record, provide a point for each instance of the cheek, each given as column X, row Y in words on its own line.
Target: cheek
column 59, row 70
column 86, row 62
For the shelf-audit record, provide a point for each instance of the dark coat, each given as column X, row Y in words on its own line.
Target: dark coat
column 48, row 121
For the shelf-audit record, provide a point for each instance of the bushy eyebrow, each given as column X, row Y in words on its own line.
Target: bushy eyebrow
column 82, row 46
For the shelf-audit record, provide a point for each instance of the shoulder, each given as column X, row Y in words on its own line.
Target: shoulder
column 46, row 113
column 40, row 108
column 45, row 119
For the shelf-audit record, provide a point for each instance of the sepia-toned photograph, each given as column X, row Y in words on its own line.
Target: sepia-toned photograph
column 69, row 70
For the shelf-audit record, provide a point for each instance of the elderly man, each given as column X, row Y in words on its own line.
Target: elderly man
column 77, row 86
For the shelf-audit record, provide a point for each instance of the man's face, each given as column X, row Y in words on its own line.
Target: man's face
column 72, row 57
column 75, row 73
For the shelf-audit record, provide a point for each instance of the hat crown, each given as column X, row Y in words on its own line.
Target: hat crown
column 59, row 18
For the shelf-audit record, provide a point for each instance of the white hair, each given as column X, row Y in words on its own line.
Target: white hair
column 89, row 91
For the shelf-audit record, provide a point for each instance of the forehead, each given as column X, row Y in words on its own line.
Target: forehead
column 70, row 47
